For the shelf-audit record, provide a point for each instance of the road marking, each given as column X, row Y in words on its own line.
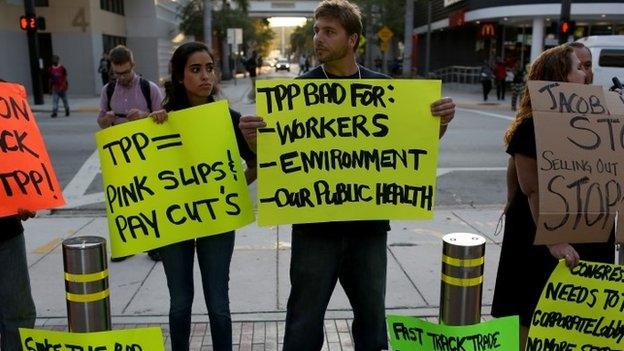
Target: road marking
column 505, row 117
column 75, row 191
column 443, row 171
column 49, row 246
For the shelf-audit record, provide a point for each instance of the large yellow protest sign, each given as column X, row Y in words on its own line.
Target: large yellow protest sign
column 580, row 309
column 142, row 339
column 173, row 182
column 346, row 150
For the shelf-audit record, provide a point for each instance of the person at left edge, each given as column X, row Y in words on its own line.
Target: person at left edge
column 127, row 97
column 193, row 83
column 17, row 309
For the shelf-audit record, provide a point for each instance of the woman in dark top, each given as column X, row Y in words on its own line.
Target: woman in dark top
column 524, row 268
column 193, row 83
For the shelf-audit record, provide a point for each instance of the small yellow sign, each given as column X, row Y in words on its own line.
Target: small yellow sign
column 385, row 34
column 125, row 339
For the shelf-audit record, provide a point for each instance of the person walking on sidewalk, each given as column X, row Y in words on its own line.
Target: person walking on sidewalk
column 17, row 309
column 517, row 85
column 58, row 85
column 251, row 64
column 500, row 74
column 193, row 83
column 104, row 68
column 126, row 98
column 352, row 252
column 486, row 79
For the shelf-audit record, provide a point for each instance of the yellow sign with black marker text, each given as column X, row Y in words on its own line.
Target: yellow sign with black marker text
column 142, row 339
column 336, row 150
column 172, row 182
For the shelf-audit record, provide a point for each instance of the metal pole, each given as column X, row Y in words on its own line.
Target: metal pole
column 565, row 16
column 503, row 42
column 462, row 279
column 208, row 23
column 33, row 53
column 409, row 28
column 86, row 284
column 428, row 44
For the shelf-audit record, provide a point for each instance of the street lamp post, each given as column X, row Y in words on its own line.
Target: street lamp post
column 409, row 28
column 208, row 23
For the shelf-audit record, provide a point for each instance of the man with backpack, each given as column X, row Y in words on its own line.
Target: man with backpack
column 127, row 97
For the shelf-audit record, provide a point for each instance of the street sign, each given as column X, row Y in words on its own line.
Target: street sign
column 234, row 36
column 385, row 34
column 384, row 46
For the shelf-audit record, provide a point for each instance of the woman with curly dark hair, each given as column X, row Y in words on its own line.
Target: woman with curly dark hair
column 524, row 268
column 193, row 82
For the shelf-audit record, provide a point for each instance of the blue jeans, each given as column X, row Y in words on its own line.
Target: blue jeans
column 318, row 261
column 214, row 254
column 17, row 309
column 55, row 100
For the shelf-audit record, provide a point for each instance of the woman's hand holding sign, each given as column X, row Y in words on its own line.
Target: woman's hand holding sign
column 249, row 125
column 565, row 251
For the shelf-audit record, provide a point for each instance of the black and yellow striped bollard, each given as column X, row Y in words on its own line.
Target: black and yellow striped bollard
column 86, row 284
column 462, row 279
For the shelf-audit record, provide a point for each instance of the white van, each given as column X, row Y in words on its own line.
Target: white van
column 607, row 58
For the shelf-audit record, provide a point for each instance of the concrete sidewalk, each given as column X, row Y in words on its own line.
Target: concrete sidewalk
column 259, row 282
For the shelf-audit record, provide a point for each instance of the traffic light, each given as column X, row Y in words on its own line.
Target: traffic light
column 32, row 23
column 567, row 27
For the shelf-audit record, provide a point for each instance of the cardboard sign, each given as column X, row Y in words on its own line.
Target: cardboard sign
column 336, row 150
column 27, row 179
column 580, row 309
column 172, row 182
column 615, row 102
column 580, row 162
column 413, row 334
column 142, row 339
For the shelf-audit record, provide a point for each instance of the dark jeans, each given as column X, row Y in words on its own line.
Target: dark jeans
column 487, row 86
column 214, row 254
column 17, row 309
column 318, row 261
column 55, row 101
column 500, row 89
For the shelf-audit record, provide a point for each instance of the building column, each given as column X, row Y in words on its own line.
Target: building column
column 537, row 43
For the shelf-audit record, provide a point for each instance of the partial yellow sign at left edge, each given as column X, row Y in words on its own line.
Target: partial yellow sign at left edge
column 145, row 339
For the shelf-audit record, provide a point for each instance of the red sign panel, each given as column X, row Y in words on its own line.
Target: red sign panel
column 457, row 18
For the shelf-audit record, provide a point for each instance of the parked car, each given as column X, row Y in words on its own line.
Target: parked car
column 607, row 57
column 282, row 65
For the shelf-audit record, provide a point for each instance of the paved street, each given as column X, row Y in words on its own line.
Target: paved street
column 470, row 195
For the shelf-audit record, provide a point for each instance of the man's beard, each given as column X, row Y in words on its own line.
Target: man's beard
column 335, row 55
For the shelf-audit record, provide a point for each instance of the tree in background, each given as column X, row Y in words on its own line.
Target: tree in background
column 301, row 40
column 257, row 34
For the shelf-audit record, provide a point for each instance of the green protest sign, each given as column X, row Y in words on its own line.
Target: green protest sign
column 412, row 334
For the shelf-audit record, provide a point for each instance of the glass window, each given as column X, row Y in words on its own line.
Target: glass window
column 110, row 41
column 611, row 58
column 115, row 6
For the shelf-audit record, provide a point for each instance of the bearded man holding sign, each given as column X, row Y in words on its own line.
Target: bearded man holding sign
column 353, row 252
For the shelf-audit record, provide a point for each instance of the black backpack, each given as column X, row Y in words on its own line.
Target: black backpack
column 145, row 89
